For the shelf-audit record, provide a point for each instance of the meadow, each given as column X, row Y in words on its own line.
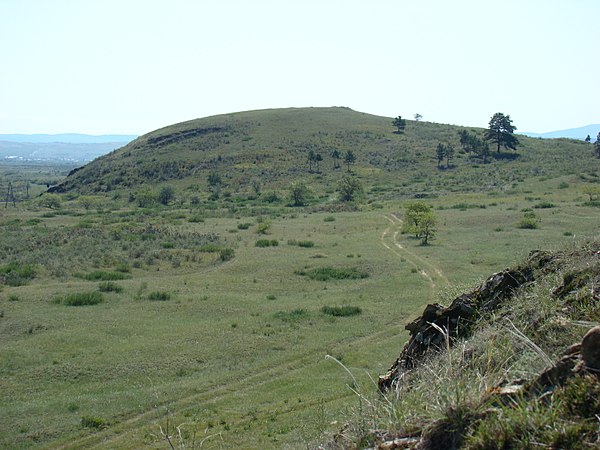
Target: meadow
column 233, row 351
column 226, row 318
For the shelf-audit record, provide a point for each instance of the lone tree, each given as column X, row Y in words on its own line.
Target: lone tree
column 418, row 117
column 588, row 139
column 349, row 159
column 597, row 146
column 166, row 194
column 500, row 132
column 399, row 123
column 299, row 193
column 349, row 187
column 420, row 220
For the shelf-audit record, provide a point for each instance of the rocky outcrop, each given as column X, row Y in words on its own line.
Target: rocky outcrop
column 438, row 327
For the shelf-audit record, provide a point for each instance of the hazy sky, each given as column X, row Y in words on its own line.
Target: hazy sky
column 131, row 66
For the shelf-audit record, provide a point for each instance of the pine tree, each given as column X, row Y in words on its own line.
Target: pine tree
column 500, row 132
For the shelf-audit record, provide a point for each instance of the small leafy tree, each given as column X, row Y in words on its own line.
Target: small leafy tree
column 299, row 193
column 349, row 187
column 145, row 199
column 349, row 159
column 501, row 132
column 411, row 216
column 426, row 226
column 51, row 201
column 166, row 195
column 400, row 124
column 87, row 201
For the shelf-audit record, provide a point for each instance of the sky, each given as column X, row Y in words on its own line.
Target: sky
column 132, row 66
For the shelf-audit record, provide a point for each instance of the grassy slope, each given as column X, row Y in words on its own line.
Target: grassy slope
column 229, row 355
column 272, row 146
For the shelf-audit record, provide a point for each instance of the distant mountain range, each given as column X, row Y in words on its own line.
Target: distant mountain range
column 59, row 148
column 572, row 133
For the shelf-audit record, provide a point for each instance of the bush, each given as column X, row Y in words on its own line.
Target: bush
column 210, row 248
column 82, row 299
column 16, row 274
column 335, row 273
column 93, row 422
column 329, row 219
column 529, row 221
column 341, row 311
column 306, row 244
column 159, row 296
column 267, row 243
column 226, row 254
column 244, row 225
column 544, row 205
column 109, row 286
column 101, row 275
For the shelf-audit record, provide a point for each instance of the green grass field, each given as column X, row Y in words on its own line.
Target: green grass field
column 236, row 354
column 215, row 315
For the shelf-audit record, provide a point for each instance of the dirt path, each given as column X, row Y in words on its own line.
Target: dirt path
column 391, row 241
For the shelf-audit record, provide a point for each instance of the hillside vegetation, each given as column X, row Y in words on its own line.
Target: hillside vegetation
column 270, row 148
column 176, row 289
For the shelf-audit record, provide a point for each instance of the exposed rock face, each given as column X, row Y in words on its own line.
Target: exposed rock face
column 439, row 326
column 590, row 349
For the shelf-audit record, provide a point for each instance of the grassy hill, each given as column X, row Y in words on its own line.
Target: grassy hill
column 122, row 323
column 271, row 147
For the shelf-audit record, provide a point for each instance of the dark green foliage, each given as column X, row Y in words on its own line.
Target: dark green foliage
column 299, row 193
column 16, row 274
column 81, row 299
column 350, row 187
column 500, row 132
column 101, row 275
column 341, row 311
column 159, row 296
column 329, row 219
column 529, row 221
column 267, row 243
column 305, row 244
column 400, row 124
column 244, row 225
column 544, row 205
column 109, row 286
column 333, row 273
column 226, row 254
column 166, row 195
column 349, row 159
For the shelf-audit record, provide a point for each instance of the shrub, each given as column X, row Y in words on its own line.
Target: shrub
column 226, row 254
column 244, row 225
column 109, row 286
column 267, row 243
column 341, row 311
column 329, row 219
column 16, row 274
column 263, row 228
column 210, row 248
column 93, row 422
column 335, row 273
column 529, row 221
column 101, row 275
column 306, row 244
column 544, row 205
column 159, row 296
column 82, row 299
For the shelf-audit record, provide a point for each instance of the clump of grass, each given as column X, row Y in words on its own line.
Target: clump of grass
column 210, row 248
column 267, row 243
column 244, row 225
column 102, row 275
column 291, row 316
column 159, row 296
column 16, row 274
column 305, row 244
column 544, row 205
column 271, row 297
column 341, row 311
column 226, row 254
column 329, row 219
column 333, row 273
column 93, row 422
column 81, row 299
column 109, row 286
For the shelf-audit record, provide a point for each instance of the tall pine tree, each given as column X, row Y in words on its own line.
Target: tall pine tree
column 500, row 132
